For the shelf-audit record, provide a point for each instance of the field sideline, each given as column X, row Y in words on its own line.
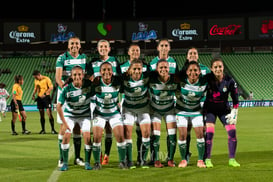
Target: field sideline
column 34, row 157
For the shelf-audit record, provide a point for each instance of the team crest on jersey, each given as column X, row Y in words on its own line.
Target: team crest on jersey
column 163, row 94
column 191, row 94
column 137, row 89
column 108, row 96
column 224, row 89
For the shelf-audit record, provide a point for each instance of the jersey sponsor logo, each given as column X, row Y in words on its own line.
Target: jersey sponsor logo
column 74, row 62
column 137, row 89
column 216, row 94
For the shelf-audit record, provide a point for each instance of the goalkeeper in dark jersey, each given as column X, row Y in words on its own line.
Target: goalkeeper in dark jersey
column 216, row 105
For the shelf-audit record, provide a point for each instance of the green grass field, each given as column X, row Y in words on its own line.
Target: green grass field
column 34, row 157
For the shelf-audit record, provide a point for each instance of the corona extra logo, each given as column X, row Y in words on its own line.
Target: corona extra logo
column 22, row 28
column 185, row 26
column 103, row 30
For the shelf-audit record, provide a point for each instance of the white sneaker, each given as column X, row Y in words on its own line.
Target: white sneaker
column 60, row 163
column 79, row 162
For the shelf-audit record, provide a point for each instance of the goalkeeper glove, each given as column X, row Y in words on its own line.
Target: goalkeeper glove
column 232, row 116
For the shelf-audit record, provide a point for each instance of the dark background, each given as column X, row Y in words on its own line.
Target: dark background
column 127, row 9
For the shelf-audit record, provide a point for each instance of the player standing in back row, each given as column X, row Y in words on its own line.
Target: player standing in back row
column 64, row 64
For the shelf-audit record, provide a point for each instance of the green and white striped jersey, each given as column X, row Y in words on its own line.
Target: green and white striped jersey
column 67, row 62
column 136, row 92
column 204, row 69
column 94, row 66
column 76, row 100
column 106, row 97
column 172, row 64
column 190, row 97
column 162, row 95
column 124, row 67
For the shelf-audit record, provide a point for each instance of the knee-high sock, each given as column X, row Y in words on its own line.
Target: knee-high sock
column 201, row 148
column 60, row 140
column 121, row 151
column 87, row 151
column 77, row 139
column 108, row 143
column 12, row 126
column 209, row 141
column 96, row 152
column 156, row 144
column 129, row 149
column 232, row 140
column 52, row 123
column 42, row 121
column 172, row 143
column 144, row 149
column 65, row 150
column 23, row 125
column 182, row 144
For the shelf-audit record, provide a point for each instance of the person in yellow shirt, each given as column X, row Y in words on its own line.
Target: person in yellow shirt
column 17, row 106
column 43, row 87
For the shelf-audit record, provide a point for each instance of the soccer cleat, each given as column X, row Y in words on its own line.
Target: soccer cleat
column 183, row 164
column 122, row 165
column 144, row 165
column 42, row 132
column 171, row 163
column 233, row 163
column 201, row 164
column 208, row 163
column 64, row 167
column 60, row 163
column 14, row 133
column 87, row 166
column 97, row 166
column 105, row 160
column 26, row 132
column 131, row 165
column 79, row 162
column 54, row 132
column 158, row 164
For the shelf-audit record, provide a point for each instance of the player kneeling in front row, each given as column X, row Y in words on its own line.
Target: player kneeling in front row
column 76, row 96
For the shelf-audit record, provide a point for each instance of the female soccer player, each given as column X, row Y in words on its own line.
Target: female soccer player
column 189, row 102
column 134, row 53
column 93, row 70
column 136, row 109
column 75, row 98
column 4, row 95
column 64, row 64
column 17, row 106
column 163, row 49
column 107, row 88
column 162, row 88
column 216, row 105
column 193, row 56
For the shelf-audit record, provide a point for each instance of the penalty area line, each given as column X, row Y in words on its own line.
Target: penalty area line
column 56, row 172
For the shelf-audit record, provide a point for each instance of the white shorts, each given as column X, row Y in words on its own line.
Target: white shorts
column 114, row 121
column 3, row 106
column 84, row 123
column 140, row 116
column 169, row 116
column 184, row 121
